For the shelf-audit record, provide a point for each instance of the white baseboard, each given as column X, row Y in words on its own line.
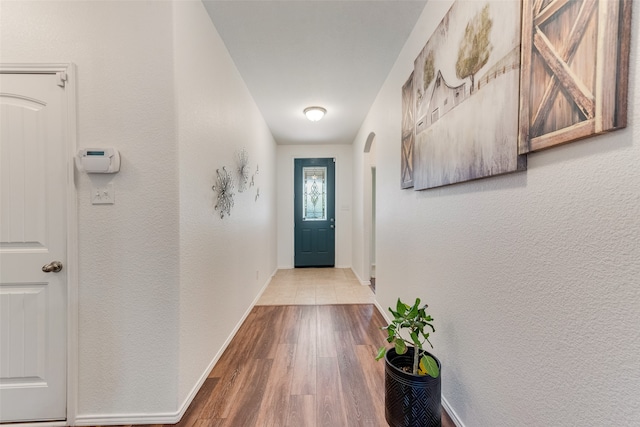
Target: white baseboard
column 362, row 282
column 38, row 424
column 126, row 419
column 164, row 418
column 382, row 311
column 452, row 414
column 192, row 394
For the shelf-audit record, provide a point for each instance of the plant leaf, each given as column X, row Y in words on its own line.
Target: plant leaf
column 429, row 365
column 416, row 340
column 401, row 347
column 422, row 370
column 381, row 353
column 413, row 312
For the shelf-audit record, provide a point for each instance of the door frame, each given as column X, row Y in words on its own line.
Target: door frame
column 320, row 154
column 335, row 199
column 68, row 78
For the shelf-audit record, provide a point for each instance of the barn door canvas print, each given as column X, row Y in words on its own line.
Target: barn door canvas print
column 575, row 59
column 408, row 134
column 466, row 84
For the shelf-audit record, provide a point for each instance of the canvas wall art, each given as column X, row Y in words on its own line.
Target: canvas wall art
column 466, row 85
column 408, row 134
column 575, row 60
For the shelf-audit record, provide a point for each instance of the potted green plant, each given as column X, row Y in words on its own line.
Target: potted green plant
column 412, row 374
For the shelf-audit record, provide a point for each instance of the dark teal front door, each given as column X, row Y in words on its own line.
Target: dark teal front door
column 315, row 232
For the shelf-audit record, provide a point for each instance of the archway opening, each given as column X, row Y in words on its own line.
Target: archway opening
column 369, row 208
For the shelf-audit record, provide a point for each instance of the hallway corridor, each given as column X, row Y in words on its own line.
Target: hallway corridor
column 300, row 359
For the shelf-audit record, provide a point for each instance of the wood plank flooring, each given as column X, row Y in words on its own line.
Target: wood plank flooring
column 298, row 365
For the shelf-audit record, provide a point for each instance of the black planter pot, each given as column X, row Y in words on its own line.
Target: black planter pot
column 410, row 400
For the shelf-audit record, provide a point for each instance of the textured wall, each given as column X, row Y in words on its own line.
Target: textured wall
column 533, row 278
column 128, row 275
column 286, row 155
column 224, row 263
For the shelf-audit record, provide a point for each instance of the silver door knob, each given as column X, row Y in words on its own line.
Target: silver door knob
column 332, row 226
column 52, row 267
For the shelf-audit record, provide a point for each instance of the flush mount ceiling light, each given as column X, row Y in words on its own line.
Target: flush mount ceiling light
column 314, row 113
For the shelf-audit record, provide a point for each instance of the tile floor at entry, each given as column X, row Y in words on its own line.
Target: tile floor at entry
column 316, row 286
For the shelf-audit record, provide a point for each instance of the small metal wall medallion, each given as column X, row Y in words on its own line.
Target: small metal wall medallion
column 242, row 160
column 224, row 188
column 253, row 182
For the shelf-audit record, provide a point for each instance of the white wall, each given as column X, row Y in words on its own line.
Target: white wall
column 128, row 273
column 224, row 263
column 163, row 281
column 533, row 278
column 286, row 155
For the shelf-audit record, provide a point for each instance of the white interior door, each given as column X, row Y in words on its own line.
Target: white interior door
column 33, row 186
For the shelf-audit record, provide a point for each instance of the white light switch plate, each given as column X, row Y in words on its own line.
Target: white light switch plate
column 103, row 195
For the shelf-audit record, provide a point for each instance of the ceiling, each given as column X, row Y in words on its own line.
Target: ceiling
column 298, row 53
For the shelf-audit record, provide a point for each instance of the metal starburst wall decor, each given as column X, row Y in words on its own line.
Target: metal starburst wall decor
column 224, row 188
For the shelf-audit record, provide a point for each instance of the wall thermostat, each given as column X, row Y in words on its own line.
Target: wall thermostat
column 99, row 160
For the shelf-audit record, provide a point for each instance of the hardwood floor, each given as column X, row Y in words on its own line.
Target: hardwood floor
column 298, row 365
